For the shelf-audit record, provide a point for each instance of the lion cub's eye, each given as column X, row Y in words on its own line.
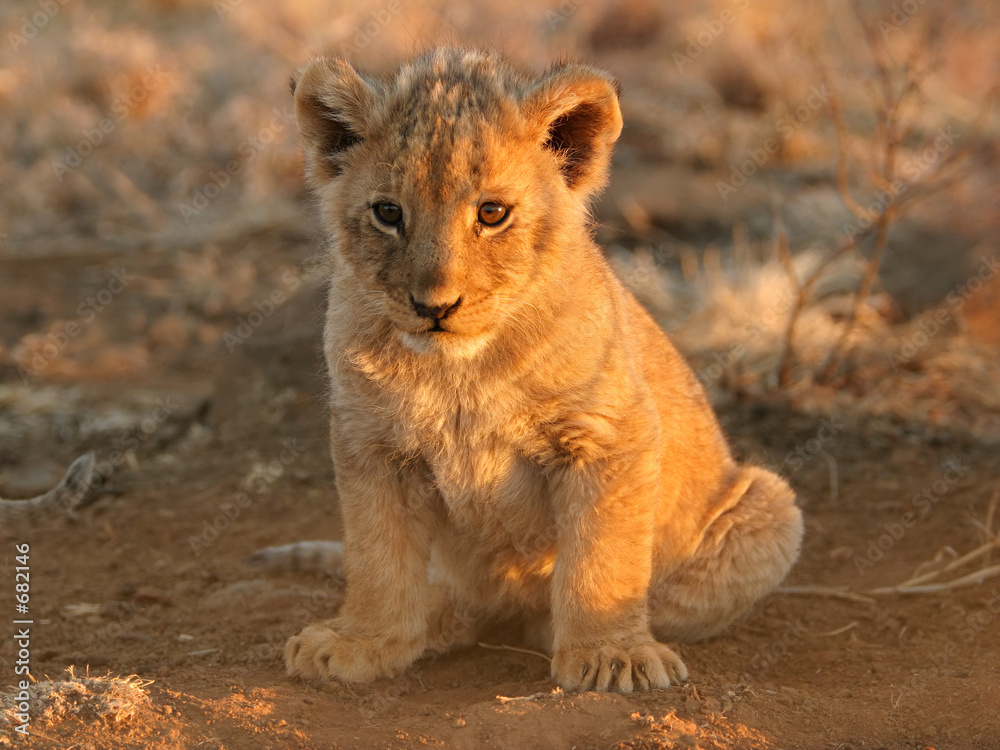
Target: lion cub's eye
column 388, row 213
column 492, row 214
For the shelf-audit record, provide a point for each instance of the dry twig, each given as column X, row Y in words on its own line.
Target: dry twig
column 893, row 127
column 519, row 650
column 849, row 626
column 557, row 693
column 837, row 592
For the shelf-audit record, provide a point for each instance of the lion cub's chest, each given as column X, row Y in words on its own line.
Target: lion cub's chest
column 474, row 453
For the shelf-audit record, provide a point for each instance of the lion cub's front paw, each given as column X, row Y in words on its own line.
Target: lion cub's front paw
column 620, row 669
column 319, row 653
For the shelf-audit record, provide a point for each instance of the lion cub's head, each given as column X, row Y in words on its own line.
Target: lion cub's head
column 456, row 190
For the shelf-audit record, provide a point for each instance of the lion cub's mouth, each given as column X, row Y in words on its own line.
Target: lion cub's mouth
column 438, row 338
column 437, row 328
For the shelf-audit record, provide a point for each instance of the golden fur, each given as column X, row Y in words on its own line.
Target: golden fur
column 511, row 432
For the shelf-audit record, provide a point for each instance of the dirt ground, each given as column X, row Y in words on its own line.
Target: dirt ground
column 186, row 355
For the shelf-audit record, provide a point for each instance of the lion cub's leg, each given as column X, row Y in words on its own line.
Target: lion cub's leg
column 600, row 625
column 383, row 624
column 744, row 553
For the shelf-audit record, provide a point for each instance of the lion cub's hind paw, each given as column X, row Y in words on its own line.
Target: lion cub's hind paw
column 616, row 669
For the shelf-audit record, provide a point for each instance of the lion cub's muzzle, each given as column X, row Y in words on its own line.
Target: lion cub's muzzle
column 435, row 312
column 456, row 325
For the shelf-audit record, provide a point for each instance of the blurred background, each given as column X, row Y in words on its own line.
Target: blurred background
column 805, row 192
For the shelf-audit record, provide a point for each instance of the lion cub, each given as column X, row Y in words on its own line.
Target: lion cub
column 511, row 432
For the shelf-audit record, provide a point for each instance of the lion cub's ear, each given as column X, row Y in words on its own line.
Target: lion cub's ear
column 575, row 110
column 333, row 105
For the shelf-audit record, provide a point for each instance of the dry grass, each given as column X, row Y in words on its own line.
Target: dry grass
column 941, row 574
column 107, row 701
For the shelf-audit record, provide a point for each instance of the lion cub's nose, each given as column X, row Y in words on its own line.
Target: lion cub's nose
column 435, row 312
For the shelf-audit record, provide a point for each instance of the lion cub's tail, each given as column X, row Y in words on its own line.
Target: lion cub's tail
column 73, row 491
column 301, row 557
